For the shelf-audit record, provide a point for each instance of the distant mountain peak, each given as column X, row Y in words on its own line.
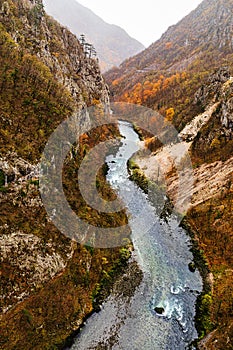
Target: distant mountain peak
column 111, row 42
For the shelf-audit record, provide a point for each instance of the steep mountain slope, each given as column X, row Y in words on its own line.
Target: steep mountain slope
column 187, row 77
column 208, row 26
column 112, row 43
column 180, row 61
column 48, row 281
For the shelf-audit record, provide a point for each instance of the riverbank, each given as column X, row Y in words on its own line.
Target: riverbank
column 48, row 280
column 117, row 278
column 202, row 318
column 124, row 278
column 206, row 219
column 166, row 283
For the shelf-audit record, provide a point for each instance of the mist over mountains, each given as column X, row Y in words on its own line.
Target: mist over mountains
column 112, row 43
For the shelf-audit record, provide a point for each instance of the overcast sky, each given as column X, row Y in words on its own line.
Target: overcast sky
column 145, row 20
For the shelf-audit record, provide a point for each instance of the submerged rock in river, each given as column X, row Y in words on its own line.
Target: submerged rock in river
column 159, row 310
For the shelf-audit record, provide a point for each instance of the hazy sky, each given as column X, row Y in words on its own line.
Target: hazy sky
column 144, row 20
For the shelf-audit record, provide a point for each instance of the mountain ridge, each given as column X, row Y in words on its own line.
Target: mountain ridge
column 187, row 30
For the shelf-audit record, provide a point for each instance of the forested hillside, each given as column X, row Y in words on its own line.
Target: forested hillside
column 49, row 283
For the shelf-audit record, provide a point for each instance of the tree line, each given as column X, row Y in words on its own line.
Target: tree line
column 89, row 49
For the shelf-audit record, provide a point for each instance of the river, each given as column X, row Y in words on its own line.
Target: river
column 162, row 251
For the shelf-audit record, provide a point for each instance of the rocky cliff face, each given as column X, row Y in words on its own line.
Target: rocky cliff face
column 215, row 140
column 48, row 282
column 59, row 49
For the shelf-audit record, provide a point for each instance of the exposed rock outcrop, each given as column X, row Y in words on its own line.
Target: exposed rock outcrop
column 13, row 168
column 210, row 91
